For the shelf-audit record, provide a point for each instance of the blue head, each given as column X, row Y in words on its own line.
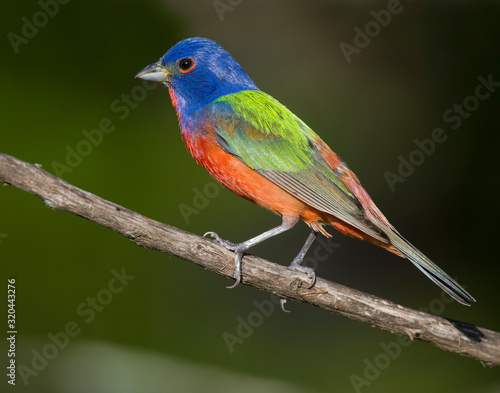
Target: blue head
column 197, row 71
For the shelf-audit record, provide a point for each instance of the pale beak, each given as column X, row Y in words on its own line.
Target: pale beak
column 155, row 72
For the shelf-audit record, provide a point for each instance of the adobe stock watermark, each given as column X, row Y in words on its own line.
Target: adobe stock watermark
column 223, row 6
column 363, row 37
column 86, row 312
column 454, row 116
column 245, row 327
column 92, row 138
column 201, row 199
column 373, row 367
column 30, row 27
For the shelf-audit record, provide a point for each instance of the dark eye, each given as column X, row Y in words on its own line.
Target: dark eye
column 186, row 65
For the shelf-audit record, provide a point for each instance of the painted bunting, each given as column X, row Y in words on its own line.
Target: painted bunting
column 260, row 150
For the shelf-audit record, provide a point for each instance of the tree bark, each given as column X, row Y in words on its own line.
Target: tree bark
column 459, row 337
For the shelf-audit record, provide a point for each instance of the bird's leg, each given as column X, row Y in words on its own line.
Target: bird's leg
column 297, row 261
column 239, row 248
column 297, row 264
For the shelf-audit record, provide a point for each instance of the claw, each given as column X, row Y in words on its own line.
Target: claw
column 282, row 304
column 236, row 283
column 213, row 234
column 237, row 270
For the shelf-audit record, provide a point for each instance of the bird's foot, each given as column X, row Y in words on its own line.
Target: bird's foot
column 226, row 243
column 296, row 265
column 238, row 248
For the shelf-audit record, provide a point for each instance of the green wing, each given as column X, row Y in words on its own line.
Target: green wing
column 271, row 140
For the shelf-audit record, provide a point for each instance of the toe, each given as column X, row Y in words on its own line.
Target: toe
column 236, row 283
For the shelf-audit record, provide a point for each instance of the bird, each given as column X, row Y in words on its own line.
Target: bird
column 257, row 148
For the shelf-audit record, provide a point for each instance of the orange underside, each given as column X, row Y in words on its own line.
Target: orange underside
column 245, row 182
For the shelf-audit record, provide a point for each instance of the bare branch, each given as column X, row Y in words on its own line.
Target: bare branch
column 463, row 338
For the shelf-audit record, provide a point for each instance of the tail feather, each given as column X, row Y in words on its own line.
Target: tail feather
column 430, row 269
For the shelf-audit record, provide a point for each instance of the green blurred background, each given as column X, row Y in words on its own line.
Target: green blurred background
column 164, row 331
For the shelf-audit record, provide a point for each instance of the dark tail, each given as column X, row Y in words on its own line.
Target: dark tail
column 430, row 269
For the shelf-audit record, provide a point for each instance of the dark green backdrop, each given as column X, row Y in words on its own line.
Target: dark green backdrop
column 165, row 330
